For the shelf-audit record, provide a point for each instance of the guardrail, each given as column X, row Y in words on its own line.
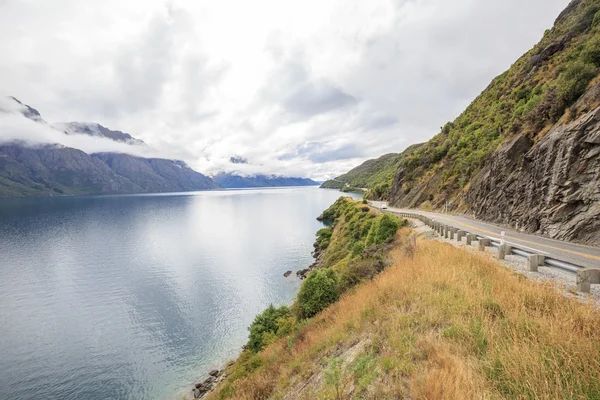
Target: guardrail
column 584, row 276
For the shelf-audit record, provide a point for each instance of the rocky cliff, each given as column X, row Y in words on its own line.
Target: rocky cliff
column 551, row 187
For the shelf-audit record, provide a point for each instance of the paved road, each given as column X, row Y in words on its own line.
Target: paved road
column 586, row 256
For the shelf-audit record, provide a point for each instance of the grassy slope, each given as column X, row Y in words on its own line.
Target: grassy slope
column 528, row 99
column 444, row 324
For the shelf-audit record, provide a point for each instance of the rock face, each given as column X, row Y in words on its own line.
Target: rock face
column 551, row 187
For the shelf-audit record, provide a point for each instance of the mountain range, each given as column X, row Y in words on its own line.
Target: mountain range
column 230, row 181
column 53, row 169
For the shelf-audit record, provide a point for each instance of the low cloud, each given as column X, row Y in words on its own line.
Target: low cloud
column 16, row 128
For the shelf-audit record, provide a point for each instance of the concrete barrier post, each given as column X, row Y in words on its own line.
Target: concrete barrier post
column 460, row 235
column 503, row 251
column 483, row 243
column 535, row 260
column 451, row 234
column 585, row 277
column 446, row 231
column 470, row 238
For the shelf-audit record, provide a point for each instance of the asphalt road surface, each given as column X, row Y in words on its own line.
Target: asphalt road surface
column 585, row 256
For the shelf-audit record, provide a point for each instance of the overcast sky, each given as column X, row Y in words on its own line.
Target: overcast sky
column 305, row 88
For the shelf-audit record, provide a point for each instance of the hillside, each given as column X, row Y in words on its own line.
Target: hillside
column 376, row 175
column 53, row 170
column 424, row 320
column 233, row 181
column 526, row 151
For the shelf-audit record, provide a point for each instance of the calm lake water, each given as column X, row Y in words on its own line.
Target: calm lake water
column 137, row 297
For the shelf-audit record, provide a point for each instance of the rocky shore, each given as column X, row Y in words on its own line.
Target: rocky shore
column 201, row 389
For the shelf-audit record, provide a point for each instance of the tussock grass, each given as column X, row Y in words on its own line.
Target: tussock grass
column 444, row 324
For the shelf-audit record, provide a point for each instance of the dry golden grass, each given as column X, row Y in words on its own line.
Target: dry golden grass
column 445, row 324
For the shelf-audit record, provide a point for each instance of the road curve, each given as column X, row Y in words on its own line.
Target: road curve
column 586, row 256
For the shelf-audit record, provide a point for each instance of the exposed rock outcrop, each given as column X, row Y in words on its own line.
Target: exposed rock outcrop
column 551, row 187
column 215, row 376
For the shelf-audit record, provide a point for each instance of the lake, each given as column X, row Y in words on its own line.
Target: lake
column 137, row 297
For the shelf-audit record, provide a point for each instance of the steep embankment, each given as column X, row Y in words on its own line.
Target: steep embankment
column 353, row 248
column 376, row 175
column 526, row 151
column 437, row 323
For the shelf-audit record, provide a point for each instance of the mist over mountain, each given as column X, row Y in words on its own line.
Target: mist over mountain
column 38, row 159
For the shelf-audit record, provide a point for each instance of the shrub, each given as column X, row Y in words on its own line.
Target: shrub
column 266, row 327
column 596, row 20
column 357, row 249
column 319, row 290
column 324, row 237
column 382, row 230
column 573, row 81
column 591, row 53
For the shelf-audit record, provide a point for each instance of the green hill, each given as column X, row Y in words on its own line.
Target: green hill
column 376, row 175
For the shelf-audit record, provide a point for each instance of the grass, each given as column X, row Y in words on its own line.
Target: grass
column 442, row 324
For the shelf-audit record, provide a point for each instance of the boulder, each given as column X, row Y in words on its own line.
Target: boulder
column 288, row 273
column 216, row 372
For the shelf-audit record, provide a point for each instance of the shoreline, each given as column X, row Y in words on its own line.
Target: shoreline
column 204, row 386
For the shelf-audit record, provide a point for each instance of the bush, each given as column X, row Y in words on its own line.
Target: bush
column 324, row 237
column 591, row 53
column 267, row 326
column 319, row 290
column 573, row 81
column 382, row 230
column 357, row 249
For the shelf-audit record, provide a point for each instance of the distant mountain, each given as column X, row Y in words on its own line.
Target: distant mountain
column 53, row 169
column 231, row 181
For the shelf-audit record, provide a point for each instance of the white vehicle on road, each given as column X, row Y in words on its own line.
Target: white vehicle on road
column 383, row 206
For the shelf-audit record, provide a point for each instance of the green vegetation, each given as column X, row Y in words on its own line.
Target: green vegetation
column 376, row 175
column 527, row 99
column 318, row 291
column 267, row 326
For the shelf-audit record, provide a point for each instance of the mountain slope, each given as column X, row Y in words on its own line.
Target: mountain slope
column 514, row 156
column 51, row 170
column 231, row 181
column 377, row 174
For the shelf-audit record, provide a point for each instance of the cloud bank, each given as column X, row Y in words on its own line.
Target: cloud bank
column 308, row 88
column 15, row 127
